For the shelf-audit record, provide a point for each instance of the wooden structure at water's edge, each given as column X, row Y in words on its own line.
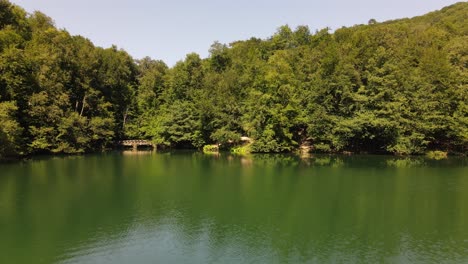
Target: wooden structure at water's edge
column 135, row 143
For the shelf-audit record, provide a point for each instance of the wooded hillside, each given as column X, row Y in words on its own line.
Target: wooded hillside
column 398, row 87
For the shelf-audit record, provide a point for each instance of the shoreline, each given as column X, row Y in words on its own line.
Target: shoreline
column 194, row 150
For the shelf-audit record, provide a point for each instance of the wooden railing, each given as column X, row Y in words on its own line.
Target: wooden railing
column 135, row 143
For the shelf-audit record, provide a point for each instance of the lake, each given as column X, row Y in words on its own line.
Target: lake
column 186, row 207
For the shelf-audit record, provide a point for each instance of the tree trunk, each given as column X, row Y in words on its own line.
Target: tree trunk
column 83, row 105
column 125, row 118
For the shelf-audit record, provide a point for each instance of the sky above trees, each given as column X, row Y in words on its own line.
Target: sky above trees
column 168, row 30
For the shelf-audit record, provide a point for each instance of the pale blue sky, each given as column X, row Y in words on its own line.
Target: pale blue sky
column 168, row 30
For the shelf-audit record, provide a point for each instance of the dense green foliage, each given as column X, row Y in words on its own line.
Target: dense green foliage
column 397, row 87
column 58, row 93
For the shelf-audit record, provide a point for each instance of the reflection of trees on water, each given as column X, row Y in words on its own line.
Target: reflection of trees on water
column 62, row 203
column 322, row 160
column 332, row 160
column 275, row 208
column 405, row 162
column 298, row 213
column 421, row 161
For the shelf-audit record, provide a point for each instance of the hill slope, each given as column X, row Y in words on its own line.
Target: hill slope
column 398, row 86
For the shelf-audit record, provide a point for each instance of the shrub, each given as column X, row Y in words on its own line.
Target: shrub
column 210, row 149
column 437, row 155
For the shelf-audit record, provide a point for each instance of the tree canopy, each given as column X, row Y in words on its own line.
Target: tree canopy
column 393, row 87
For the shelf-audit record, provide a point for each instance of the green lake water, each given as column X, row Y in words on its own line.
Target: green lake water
column 186, row 207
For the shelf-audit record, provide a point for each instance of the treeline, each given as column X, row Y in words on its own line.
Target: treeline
column 393, row 87
column 58, row 93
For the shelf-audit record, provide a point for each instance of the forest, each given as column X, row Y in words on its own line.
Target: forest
column 395, row 87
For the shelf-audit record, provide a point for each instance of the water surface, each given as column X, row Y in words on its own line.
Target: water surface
column 190, row 208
